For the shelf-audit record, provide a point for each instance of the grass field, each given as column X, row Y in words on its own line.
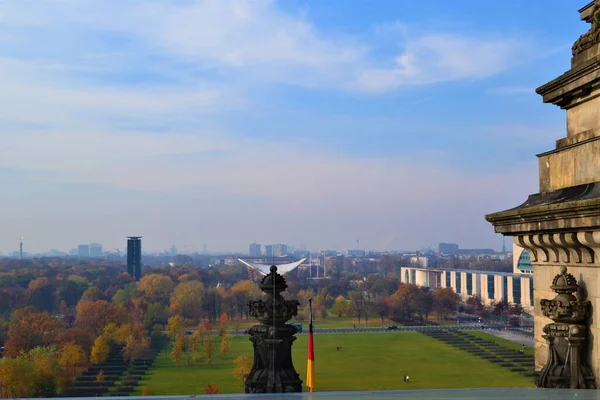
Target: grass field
column 331, row 322
column 368, row 361
column 336, row 322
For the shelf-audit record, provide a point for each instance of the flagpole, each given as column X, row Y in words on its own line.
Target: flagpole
column 310, row 368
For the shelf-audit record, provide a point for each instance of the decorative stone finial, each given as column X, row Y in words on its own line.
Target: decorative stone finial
column 273, row 371
column 566, row 336
column 592, row 37
column 564, row 283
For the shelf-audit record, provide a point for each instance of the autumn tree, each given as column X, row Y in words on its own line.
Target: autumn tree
column 208, row 348
column 502, row 308
column 423, row 302
column 29, row 329
column 380, row 308
column 178, row 350
column 186, row 299
column 225, row 338
column 16, row 377
column 91, row 294
column 156, row 287
column 516, row 309
column 223, row 321
column 76, row 335
column 44, row 361
column 445, row 301
column 100, row 350
column 136, row 343
column 240, row 293
column 195, row 343
column 241, row 367
column 40, row 294
column 406, row 301
column 474, row 305
column 322, row 302
column 175, row 328
column 156, row 313
column 340, row 306
column 70, row 356
column 357, row 304
column 216, row 300
column 95, row 315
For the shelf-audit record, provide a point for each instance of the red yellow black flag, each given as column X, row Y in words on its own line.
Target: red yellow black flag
column 310, row 367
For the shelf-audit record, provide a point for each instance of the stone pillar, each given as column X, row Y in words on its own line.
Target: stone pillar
column 560, row 225
column 483, row 285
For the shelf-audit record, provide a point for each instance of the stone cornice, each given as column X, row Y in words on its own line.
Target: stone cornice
column 565, row 248
column 554, row 217
column 574, row 83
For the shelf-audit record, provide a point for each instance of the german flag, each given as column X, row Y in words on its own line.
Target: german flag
column 310, row 367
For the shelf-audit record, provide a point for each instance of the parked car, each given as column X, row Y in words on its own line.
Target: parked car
column 392, row 328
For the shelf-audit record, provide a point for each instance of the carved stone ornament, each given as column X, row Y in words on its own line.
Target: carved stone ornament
column 591, row 37
column 273, row 370
column 566, row 337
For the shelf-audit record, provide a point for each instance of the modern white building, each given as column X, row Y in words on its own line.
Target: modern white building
column 521, row 260
column 488, row 285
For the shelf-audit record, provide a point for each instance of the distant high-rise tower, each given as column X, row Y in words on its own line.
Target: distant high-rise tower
column 503, row 245
column 96, row 250
column 134, row 256
column 254, row 250
column 21, row 247
column 83, row 250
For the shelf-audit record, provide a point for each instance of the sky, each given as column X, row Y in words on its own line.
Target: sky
column 221, row 123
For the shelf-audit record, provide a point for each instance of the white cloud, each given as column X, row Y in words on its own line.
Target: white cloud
column 258, row 40
column 443, row 57
column 58, row 75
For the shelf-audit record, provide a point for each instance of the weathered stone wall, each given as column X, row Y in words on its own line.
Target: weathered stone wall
column 570, row 167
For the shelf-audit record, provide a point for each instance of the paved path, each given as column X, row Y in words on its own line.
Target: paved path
column 512, row 336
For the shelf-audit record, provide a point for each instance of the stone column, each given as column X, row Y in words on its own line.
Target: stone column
column 560, row 225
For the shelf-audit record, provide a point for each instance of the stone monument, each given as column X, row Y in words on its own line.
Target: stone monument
column 273, row 371
column 560, row 225
column 566, row 337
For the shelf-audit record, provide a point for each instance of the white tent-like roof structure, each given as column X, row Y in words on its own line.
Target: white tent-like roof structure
column 265, row 269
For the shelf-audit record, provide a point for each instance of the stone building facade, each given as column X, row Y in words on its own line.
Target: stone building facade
column 490, row 286
column 560, row 225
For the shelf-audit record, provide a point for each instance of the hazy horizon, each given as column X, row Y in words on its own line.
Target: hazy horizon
column 302, row 122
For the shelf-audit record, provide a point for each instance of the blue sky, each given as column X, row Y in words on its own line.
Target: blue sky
column 399, row 123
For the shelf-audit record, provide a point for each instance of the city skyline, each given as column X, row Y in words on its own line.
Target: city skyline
column 283, row 122
column 253, row 250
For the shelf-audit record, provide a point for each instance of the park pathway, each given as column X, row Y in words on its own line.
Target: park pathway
column 513, row 337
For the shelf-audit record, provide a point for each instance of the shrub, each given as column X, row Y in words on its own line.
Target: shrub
column 146, row 391
column 212, row 389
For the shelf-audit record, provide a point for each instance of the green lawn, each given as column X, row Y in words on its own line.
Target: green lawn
column 330, row 322
column 368, row 361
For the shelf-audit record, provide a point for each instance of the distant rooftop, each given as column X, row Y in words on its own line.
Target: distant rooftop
column 449, row 394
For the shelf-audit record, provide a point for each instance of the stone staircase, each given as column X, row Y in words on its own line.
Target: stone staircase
column 488, row 350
